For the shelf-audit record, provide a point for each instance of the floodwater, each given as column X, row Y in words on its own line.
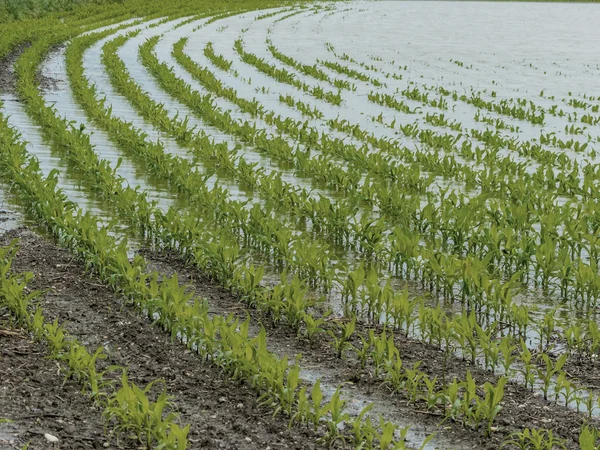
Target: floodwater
column 545, row 55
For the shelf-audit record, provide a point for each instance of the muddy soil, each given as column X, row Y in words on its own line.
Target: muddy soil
column 586, row 371
column 8, row 80
column 222, row 414
column 38, row 401
column 7, row 76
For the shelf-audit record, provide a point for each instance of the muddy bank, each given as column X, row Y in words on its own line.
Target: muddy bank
column 8, row 80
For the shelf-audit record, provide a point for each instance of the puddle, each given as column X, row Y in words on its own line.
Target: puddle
column 10, row 218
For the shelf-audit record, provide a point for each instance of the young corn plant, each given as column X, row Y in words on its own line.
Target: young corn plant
column 528, row 368
column 489, row 407
column 508, row 354
column 535, row 439
column 151, row 422
column 317, row 411
column 12, row 286
column 55, row 335
column 588, row 438
column 341, row 338
column 362, row 428
column 82, row 367
column 336, row 408
column 549, row 370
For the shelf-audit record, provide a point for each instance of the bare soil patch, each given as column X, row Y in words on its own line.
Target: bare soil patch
column 8, row 79
column 37, row 399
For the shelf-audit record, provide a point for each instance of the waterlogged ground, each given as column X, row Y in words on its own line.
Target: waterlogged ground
column 434, row 58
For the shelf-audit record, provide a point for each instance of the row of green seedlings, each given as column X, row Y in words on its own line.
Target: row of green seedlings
column 496, row 122
column 455, row 399
column 440, row 120
column 413, row 94
column 530, row 113
column 576, row 103
column 285, row 76
column 222, row 340
column 435, row 119
column 459, row 401
column 543, row 439
column 490, row 345
column 351, row 73
column 554, row 111
column 528, row 108
column 542, row 282
column 128, row 408
column 304, row 108
column 535, row 150
column 279, row 11
column 572, row 144
column 588, row 119
column 358, row 75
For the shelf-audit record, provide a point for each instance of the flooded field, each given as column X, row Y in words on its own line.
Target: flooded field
column 381, row 217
